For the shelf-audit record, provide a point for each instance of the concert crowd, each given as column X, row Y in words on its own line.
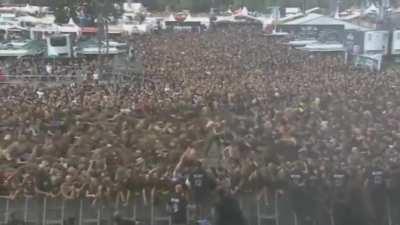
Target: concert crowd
column 221, row 113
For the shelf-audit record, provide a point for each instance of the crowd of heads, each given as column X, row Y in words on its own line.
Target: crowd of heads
column 30, row 68
column 252, row 110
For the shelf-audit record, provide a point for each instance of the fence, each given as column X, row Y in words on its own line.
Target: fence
column 56, row 211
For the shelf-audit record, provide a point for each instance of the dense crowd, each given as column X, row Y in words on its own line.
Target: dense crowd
column 229, row 110
column 30, row 68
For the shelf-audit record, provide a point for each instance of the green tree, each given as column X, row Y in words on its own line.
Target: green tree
column 64, row 9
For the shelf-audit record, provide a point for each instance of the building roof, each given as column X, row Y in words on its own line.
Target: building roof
column 320, row 47
column 30, row 48
column 318, row 19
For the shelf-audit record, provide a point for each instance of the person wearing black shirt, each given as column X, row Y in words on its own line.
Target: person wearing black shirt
column 297, row 193
column 314, row 193
column 177, row 206
column 393, row 190
column 340, row 195
column 376, row 189
column 200, row 184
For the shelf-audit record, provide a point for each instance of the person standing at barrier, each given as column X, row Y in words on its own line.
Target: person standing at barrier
column 376, row 189
column 314, row 193
column 297, row 192
column 177, row 206
column 393, row 189
column 201, row 185
column 340, row 195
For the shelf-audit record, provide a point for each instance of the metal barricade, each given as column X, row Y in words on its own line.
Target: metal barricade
column 16, row 209
column 191, row 213
column 159, row 213
column 389, row 211
column 4, row 209
column 127, row 210
column 268, row 211
column 53, row 211
column 56, row 211
column 89, row 213
column 32, row 210
column 295, row 219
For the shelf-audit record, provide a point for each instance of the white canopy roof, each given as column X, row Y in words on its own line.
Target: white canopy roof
column 372, row 9
column 36, row 20
column 318, row 19
column 133, row 7
column 171, row 18
column 71, row 27
column 319, row 47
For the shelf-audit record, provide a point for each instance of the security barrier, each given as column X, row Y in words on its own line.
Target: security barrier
column 86, row 211
column 56, row 211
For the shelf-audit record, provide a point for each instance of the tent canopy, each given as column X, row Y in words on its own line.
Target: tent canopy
column 31, row 48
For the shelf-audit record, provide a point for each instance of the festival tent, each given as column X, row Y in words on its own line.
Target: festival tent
column 71, row 27
column 24, row 9
column 49, row 19
column 323, row 47
column 318, row 19
column 31, row 48
column 241, row 12
column 171, row 18
column 6, row 24
column 115, row 29
column 372, row 9
column 131, row 7
column 91, row 47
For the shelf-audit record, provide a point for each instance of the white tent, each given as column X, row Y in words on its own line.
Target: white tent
column 372, row 9
column 25, row 9
column 133, row 7
column 71, row 27
column 31, row 9
column 115, row 29
column 319, row 47
column 245, row 11
column 319, row 19
column 48, row 28
column 242, row 12
column 171, row 18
